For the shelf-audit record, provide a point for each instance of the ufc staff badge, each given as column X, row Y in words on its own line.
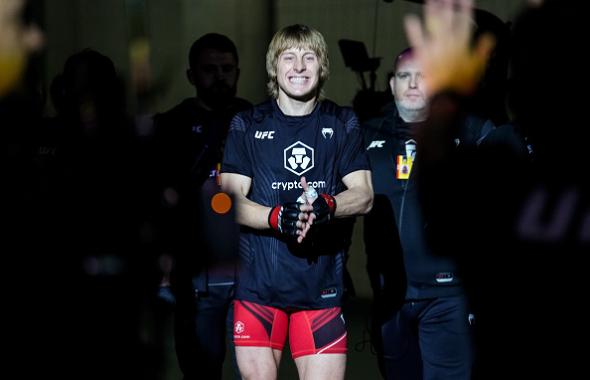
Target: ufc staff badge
column 403, row 167
column 404, row 163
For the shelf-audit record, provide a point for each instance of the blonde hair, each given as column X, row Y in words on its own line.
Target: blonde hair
column 296, row 36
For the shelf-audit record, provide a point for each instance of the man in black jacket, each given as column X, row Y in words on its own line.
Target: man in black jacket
column 189, row 140
column 422, row 319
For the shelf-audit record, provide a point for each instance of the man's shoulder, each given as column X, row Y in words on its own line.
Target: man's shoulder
column 385, row 122
column 257, row 113
column 476, row 129
column 251, row 115
column 373, row 124
column 239, row 105
column 178, row 112
column 510, row 136
column 330, row 108
column 344, row 116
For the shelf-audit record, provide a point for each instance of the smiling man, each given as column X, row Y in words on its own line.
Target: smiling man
column 296, row 230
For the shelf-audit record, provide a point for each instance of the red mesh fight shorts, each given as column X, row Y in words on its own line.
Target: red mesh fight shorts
column 311, row 332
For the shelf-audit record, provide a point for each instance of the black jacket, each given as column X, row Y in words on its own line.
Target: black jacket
column 188, row 148
column 390, row 143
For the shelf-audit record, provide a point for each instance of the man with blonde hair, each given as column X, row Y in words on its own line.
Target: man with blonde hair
column 293, row 236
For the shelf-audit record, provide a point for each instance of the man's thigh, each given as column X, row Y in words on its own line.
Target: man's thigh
column 321, row 366
column 318, row 343
column 399, row 340
column 259, row 337
column 314, row 332
column 200, row 335
column 259, row 326
column 445, row 339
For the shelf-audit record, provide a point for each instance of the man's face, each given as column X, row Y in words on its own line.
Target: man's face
column 298, row 73
column 215, row 77
column 407, row 85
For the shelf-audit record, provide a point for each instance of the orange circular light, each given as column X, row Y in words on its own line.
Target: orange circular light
column 221, row 203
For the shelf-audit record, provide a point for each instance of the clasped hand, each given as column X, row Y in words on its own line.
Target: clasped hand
column 296, row 218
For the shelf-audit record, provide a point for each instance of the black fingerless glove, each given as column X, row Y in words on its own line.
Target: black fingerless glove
column 324, row 208
column 284, row 218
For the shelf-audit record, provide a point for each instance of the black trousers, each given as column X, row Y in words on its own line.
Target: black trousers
column 201, row 326
column 428, row 339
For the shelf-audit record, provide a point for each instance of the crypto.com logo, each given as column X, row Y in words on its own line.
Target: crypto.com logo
column 298, row 158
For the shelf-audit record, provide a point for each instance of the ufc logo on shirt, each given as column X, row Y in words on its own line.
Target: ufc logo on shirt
column 264, row 135
column 376, row 144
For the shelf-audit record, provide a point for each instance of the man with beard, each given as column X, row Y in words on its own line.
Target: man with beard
column 189, row 140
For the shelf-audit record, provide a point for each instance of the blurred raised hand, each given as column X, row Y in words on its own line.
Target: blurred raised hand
column 443, row 44
column 18, row 38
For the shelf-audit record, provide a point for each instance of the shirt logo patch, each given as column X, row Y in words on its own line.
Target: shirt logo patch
column 298, row 158
column 328, row 293
column 376, row 144
column 444, row 277
column 197, row 128
column 327, row 133
column 403, row 167
column 411, row 149
column 404, row 164
column 264, row 135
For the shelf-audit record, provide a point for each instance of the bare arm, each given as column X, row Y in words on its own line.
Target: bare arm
column 357, row 199
column 254, row 215
column 248, row 213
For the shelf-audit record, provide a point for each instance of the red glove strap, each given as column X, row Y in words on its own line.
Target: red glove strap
column 330, row 201
column 273, row 217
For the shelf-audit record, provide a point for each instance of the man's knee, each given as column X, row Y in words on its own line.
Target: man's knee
column 323, row 366
column 257, row 363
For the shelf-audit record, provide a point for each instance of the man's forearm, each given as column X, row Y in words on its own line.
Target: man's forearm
column 251, row 214
column 353, row 202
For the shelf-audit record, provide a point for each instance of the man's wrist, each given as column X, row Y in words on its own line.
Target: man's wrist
column 324, row 208
column 330, row 201
column 273, row 217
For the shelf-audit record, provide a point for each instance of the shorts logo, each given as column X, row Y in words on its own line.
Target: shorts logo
column 298, row 158
column 239, row 327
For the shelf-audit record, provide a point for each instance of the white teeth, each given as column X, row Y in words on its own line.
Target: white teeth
column 297, row 80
